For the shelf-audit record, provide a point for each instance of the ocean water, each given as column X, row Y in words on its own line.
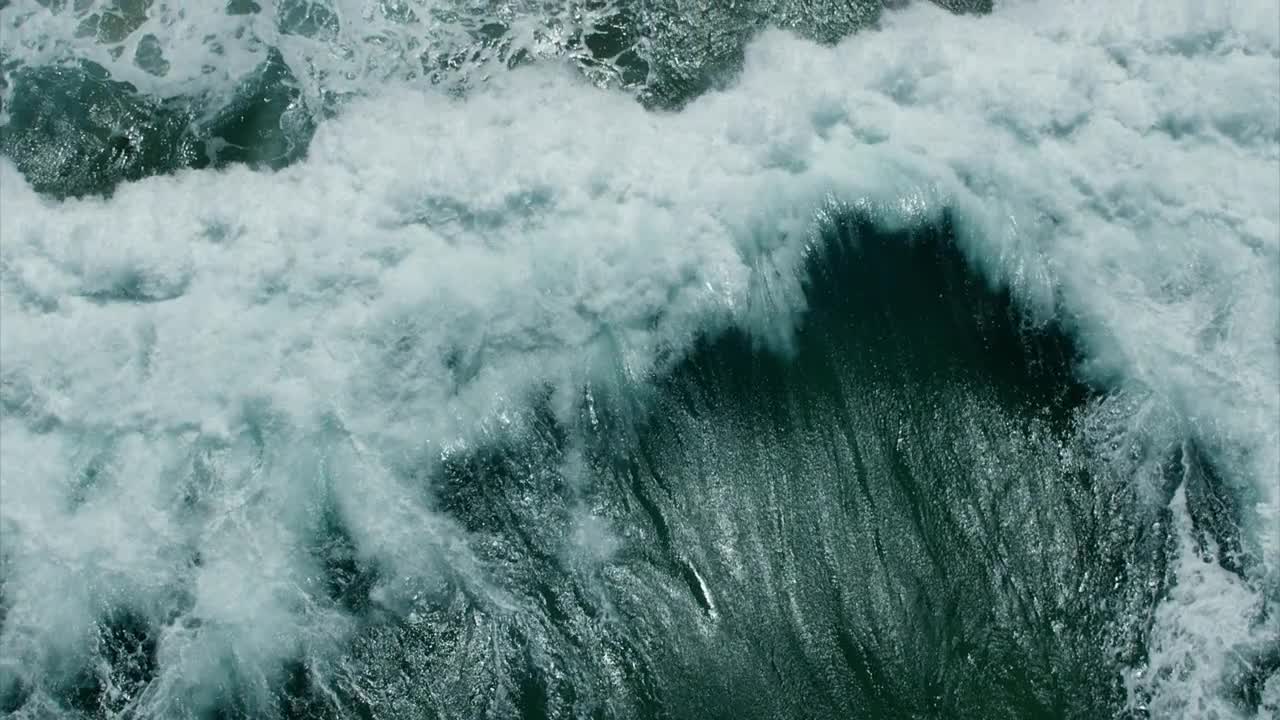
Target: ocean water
column 639, row 359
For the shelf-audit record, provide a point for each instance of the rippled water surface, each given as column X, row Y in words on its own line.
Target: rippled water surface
column 639, row 359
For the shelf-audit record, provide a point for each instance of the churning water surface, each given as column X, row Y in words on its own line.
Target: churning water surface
column 639, row 359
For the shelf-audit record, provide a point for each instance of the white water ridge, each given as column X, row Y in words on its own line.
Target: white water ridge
column 189, row 366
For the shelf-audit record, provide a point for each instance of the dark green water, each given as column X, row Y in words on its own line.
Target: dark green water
column 75, row 131
column 923, row 509
column 906, row 517
column 900, row 520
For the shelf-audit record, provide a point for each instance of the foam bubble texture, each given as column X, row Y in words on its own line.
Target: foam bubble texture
column 189, row 369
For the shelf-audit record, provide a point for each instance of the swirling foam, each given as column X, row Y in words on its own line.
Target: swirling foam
column 190, row 367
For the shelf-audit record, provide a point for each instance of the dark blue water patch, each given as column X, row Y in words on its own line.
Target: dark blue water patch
column 906, row 539
column 74, row 131
column 242, row 7
column 1214, row 507
column 686, row 49
column 308, row 19
column 264, row 125
column 906, row 517
column 903, row 518
column 124, row 653
column 348, row 580
column 1252, row 681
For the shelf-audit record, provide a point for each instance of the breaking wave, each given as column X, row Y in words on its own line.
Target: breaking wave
column 639, row 364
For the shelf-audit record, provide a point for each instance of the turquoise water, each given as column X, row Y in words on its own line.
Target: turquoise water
column 639, row 360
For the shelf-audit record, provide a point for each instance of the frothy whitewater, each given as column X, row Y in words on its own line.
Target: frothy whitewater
column 334, row 439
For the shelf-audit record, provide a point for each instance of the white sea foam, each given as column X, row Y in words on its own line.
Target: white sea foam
column 337, row 46
column 191, row 367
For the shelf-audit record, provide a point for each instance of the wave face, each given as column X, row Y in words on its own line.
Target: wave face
column 640, row 360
